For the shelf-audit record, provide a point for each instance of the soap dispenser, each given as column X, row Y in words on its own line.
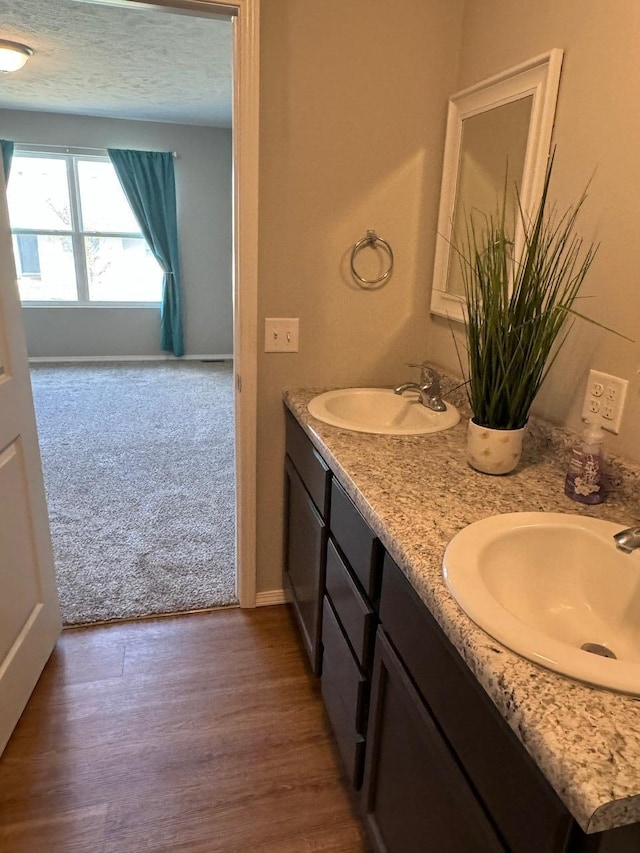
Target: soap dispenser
column 585, row 478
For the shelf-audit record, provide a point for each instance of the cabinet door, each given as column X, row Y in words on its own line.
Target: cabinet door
column 306, row 549
column 529, row 814
column 416, row 797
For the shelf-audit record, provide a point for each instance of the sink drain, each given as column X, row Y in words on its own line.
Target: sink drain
column 597, row 649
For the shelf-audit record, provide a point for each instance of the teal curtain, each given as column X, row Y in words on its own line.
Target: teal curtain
column 7, row 156
column 148, row 181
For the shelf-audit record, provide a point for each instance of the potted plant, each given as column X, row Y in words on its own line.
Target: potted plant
column 515, row 315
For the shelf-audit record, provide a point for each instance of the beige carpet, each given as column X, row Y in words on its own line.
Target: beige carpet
column 138, row 463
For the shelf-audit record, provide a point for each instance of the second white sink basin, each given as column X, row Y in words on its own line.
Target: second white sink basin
column 554, row 589
column 379, row 410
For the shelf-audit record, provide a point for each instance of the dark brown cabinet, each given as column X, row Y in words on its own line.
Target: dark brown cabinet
column 354, row 558
column 353, row 610
column 416, row 796
column 360, row 546
column 443, row 770
column 439, row 767
column 307, row 494
column 345, row 691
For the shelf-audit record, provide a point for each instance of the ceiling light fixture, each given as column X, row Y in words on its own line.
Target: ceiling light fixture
column 13, row 55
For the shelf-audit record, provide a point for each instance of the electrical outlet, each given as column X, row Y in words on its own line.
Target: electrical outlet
column 281, row 334
column 605, row 398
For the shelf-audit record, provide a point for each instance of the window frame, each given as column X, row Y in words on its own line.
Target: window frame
column 76, row 233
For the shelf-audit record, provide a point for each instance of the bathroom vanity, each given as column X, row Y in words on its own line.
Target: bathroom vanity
column 449, row 741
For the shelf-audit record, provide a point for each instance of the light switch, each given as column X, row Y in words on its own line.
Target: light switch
column 281, row 334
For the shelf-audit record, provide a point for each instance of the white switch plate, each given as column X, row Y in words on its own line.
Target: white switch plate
column 281, row 334
column 604, row 400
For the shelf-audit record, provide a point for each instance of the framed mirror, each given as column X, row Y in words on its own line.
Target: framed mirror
column 498, row 129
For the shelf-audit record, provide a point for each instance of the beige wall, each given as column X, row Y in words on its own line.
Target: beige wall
column 597, row 129
column 353, row 110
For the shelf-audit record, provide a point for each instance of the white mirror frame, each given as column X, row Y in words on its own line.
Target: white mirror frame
column 540, row 78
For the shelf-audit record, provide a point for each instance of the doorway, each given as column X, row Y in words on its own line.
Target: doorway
column 245, row 158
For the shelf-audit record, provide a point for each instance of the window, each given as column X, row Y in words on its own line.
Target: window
column 28, row 254
column 75, row 238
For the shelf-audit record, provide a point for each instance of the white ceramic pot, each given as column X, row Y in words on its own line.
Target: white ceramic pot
column 494, row 451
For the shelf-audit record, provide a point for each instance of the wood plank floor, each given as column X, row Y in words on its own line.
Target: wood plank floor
column 190, row 733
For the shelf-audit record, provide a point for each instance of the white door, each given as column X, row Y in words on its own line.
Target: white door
column 29, row 613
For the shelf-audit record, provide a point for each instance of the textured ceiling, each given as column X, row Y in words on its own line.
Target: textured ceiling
column 120, row 63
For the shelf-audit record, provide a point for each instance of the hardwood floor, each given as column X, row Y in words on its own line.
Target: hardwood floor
column 191, row 733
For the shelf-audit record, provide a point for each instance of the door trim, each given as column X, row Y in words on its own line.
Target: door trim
column 246, row 97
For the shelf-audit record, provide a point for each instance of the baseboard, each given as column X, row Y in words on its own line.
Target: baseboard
column 272, row 596
column 59, row 359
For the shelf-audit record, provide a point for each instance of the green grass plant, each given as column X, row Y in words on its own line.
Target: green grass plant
column 517, row 307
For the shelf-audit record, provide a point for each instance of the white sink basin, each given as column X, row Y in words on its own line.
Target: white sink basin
column 379, row 410
column 545, row 585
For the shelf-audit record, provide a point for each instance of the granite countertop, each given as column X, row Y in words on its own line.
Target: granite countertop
column 416, row 493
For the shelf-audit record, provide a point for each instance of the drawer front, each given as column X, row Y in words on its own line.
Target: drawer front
column 344, row 694
column 354, row 612
column 357, row 541
column 343, row 670
column 311, row 467
column 351, row 745
column 503, row 774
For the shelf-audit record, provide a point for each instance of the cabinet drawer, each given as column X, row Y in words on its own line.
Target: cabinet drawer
column 342, row 668
column 344, row 694
column 499, row 768
column 354, row 612
column 357, row 541
column 312, row 469
column 351, row 745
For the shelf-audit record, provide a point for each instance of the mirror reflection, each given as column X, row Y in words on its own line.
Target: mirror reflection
column 492, row 150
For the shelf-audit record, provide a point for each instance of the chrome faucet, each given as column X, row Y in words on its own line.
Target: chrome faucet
column 428, row 388
column 628, row 540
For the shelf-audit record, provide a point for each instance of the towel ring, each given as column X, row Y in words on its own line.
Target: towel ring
column 372, row 240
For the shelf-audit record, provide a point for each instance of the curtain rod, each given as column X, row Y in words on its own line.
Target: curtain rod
column 32, row 146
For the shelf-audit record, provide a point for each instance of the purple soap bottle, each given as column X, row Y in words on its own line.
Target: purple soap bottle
column 585, row 478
